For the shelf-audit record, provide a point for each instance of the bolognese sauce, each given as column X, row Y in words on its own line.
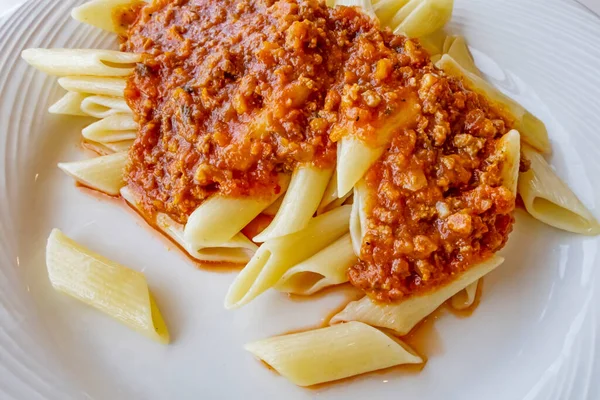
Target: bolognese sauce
column 231, row 93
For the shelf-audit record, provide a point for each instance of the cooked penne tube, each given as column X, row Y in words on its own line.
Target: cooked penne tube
column 421, row 17
column 326, row 268
column 548, row 199
column 104, row 173
column 354, row 159
column 434, row 42
column 459, row 51
column 358, row 217
column 405, row 314
column 115, row 290
column 532, row 130
column 108, row 148
column 99, row 13
column 385, row 10
column 330, row 197
column 238, row 250
column 114, row 128
column 94, row 85
column 94, row 62
column 69, row 104
column 332, row 353
column 220, row 218
column 465, row 298
column 273, row 208
column 299, row 204
column 509, row 147
column 119, row 146
column 104, row 106
column 276, row 256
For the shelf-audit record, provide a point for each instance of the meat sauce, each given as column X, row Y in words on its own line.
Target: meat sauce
column 231, row 93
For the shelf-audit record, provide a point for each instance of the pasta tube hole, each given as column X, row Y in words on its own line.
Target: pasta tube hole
column 546, row 207
column 303, row 282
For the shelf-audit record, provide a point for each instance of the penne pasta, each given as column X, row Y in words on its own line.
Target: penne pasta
column 532, row 130
column 115, row 290
column 354, row 160
column 104, row 106
column 94, row 62
column 509, row 147
column 548, row 199
column 119, row 146
column 271, row 211
column 326, row 268
column 276, row 256
column 358, row 217
column 299, row 203
column 69, row 104
column 418, row 18
column 238, row 250
column 99, row 13
column 465, row 298
column 385, row 10
column 220, row 218
column 402, row 316
column 94, row 85
column 113, row 128
column 104, row 173
column 434, row 42
column 332, row 353
column 459, row 51
column 330, row 197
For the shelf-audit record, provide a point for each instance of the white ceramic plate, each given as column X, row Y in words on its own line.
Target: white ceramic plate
column 533, row 336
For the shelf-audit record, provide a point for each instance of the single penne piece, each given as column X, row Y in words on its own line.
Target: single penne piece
column 94, row 62
column 94, row 85
column 326, row 268
column 459, row 51
column 434, row 42
column 330, row 197
column 238, row 250
column 69, row 104
column 386, row 9
column 509, row 147
column 532, row 130
column 426, row 17
column 332, row 353
column 99, row 13
column 402, row 316
column 114, row 128
column 300, row 202
column 548, row 199
column 276, row 256
column 104, row 173
column 117, row 291
column 358, row 217
column 271, row 211
column 220, row 218
column 354, row 159
column 104, row 106
column 108, row 148
column 465, row 298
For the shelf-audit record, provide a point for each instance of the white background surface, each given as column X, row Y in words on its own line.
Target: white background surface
column 532, row 338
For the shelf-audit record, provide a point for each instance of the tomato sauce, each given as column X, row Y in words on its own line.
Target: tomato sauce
column 231, row 93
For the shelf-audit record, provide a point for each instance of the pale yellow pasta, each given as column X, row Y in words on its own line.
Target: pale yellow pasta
column 459, row 51
column 465, row 298
column 273, row 208
column 354, row 158
column 509, row 147
column 332, row 353
column 69, row 104
column 113, row 128
column 93, row 62
column 330, row 198
column 532, row 130
column 99, row 13
column 434, row 42
column 117, row 291
column 104, row 106
column 108, row 148
column 548, row 199
column 104, row 173
column 94, row 85
column 358, row 217
column 402, row 316
column 238, row 250
column 299, row 203
column 220, row 218
column 385, row 10
column 418, row 18
column 276, row 256
column 326, row 268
